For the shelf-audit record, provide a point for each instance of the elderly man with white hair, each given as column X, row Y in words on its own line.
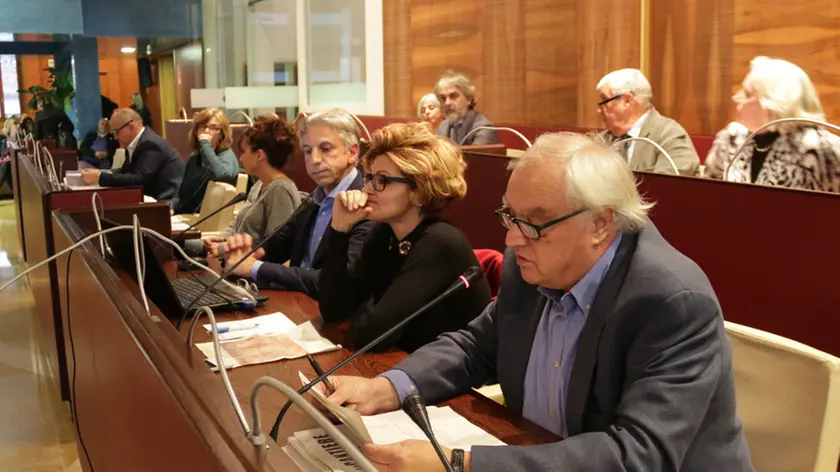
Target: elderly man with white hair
column 625, row 108
column 457, row 95
column 795, row 155
column 602, row 333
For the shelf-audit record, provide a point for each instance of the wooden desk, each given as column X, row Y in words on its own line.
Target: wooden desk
column 145, row 401
column 36, row 200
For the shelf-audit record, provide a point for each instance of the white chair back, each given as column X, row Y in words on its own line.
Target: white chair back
column 216, row 195
column 789, row 401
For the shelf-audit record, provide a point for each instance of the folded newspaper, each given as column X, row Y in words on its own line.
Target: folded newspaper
column 259, row 346
column 315, row 451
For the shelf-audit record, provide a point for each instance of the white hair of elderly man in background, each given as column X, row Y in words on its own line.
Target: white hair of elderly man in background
column 625, row 105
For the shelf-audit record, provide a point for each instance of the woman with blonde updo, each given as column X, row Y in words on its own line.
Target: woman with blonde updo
column 412, row 255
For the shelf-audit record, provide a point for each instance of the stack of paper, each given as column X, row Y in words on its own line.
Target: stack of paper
column 264, row 339
column 315, row 451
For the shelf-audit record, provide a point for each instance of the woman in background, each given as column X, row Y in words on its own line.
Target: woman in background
column 98, row 148
column 211, row 159
column 266, row 147
column 428, row 110
column 795, row 155
column 411, row 255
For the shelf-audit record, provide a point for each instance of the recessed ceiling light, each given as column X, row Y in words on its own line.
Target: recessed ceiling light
column 128, row 50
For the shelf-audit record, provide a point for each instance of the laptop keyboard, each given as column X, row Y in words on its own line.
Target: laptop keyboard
column 187, row 288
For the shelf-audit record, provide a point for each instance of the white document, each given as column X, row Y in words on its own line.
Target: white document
column 265, row 324
column 451, row 429
column 262, row 348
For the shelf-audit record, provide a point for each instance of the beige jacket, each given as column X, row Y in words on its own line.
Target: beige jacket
column 668, row 134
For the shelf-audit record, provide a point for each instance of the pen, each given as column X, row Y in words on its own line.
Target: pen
column 320, row 372
column 226, row 329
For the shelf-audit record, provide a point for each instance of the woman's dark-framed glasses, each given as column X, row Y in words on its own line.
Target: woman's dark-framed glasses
column 379, row 181
column 530, row 230
column 608, row 100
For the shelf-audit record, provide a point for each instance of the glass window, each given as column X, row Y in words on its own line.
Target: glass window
column 336, row 52
column 11, row 99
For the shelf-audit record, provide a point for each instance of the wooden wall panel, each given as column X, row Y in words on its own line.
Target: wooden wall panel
column 532, row 61
column 189, row 74
column 118, row 75
column 701, row 49
column 396, row 32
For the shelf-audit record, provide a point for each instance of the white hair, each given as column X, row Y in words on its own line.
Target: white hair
column 428, row 98
column 596, row 177
column 338, row 119
column 630, row 81
column 784, row 89
column 457, row 80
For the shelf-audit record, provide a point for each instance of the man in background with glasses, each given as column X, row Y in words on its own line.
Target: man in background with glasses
column 626, row 109
column 150, row 161
column 602, row 333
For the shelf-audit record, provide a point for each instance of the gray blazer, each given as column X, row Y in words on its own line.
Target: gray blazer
column 671, row 136
column 458, row 129
column 652, row 387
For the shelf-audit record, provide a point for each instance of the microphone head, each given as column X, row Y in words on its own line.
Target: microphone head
column 472, row 274
column 240, row 197
column 413, row 402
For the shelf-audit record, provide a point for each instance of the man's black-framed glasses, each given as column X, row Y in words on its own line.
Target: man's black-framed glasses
column 116, row 131
column 528, row 229
column 379, row 181
column 608, row 100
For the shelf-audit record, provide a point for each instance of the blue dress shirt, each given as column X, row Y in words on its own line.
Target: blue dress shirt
column 552, row 352
column 325, row 202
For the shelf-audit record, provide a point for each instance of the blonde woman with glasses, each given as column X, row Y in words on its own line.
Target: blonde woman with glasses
column 411, row 254
column 794, row 155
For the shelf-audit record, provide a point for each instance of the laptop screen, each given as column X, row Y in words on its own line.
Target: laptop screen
column 158, row 288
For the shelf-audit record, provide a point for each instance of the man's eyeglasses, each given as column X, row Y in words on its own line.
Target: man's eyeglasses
column 530, row 230
column 608, row 100
column 379, row 181
column 120, row 128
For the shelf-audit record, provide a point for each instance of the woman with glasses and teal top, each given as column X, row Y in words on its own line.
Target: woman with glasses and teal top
column 212, row 159
column 412, row 255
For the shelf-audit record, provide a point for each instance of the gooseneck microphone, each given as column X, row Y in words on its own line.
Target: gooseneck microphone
column 240, row 197
column 415, row 408
column 304, row 205
column 464, row 281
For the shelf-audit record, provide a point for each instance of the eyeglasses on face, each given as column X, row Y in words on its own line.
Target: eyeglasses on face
column 528, row 229
column 608, row 100
column 379, row 181
column 120, row 128
column 211, row 127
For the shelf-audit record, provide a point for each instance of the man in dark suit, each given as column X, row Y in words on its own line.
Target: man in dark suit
column 330, row 142
column 150, row 162
column 602, row 333
column 457, row 94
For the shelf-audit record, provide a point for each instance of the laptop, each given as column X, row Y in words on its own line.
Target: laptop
column 172, row 296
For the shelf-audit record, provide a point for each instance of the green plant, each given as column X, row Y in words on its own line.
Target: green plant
column 59, row 93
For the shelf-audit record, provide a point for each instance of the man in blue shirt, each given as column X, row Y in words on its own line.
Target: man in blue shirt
column 602, row 333
column 330, row 143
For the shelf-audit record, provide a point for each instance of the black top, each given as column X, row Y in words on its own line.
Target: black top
column 154, row 165
column 203, row 166
column 387, row 286
column 49, row 120
column 763, row 143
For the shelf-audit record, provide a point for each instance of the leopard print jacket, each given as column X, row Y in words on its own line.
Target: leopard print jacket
column 805, row 158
